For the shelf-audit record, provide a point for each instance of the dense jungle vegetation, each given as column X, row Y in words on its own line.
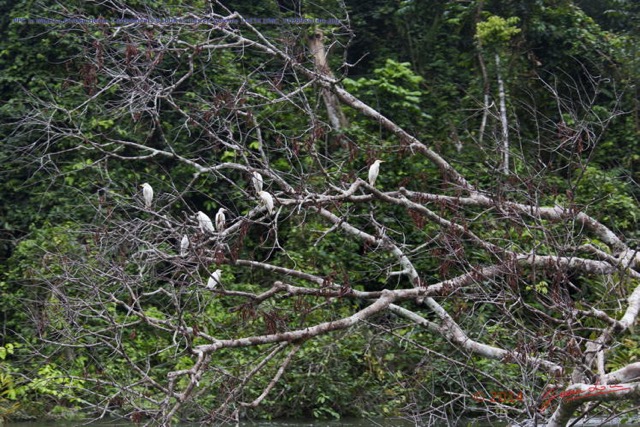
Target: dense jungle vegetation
column 494, row 258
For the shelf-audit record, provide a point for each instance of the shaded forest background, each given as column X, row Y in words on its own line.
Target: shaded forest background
column 569, row 72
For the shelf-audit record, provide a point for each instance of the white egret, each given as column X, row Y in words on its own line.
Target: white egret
column 221, row 219
column 256, row 180
column 184, row 245
column 214, row 279
column 204, row 222
column 147, row 194
column 374, row 170
column 267, row 200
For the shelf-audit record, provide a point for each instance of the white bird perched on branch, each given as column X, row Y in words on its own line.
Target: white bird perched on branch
column 374, row 170
column 147, row 194
column 205, row 222
column 184, row 245
column 267, row 200
column 221, row 219
column 214, row 279
column 256, row 180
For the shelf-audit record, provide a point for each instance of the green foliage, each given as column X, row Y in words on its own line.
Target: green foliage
column 419, row 67
column 50, row 387
column 602, row 194
column 53, row 382
column 8, row 390
column 497, row 31
column 626, row 353
column 396, row 92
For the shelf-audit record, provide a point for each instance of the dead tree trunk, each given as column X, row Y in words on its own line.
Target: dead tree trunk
column 334, row 112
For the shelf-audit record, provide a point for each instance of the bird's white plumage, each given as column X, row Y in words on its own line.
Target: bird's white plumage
column 256, row 180
column 374, row 170
column 214, row 279
column 147, row 194
column 184, row 245
column 267, row 200
column 204, row 222
column 221, row 219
